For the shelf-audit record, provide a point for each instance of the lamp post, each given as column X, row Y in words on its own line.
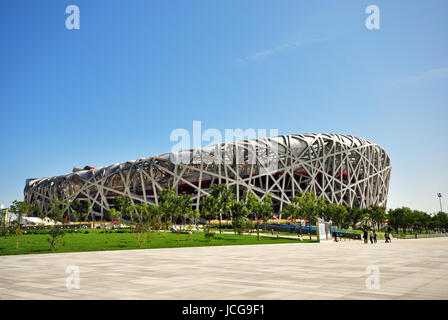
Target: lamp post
column 439, row 195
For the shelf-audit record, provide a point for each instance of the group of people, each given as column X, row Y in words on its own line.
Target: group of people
column 373, row 236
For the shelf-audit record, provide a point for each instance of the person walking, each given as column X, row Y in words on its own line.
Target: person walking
column 371, row 236
column 365, row 235
column 335, row 236
column 374, row 236
column 387, row 236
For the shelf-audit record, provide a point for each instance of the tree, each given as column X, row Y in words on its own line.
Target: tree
column 327, row 213
column 148, row 220
column 185, row 208
column 124, row 206
column 400, row 218
column 253, row 204
column 291, row 210
column 239, row 213
column 157, row 215
column 419, row 220
column 208, row 212
column 56, row 213
column 376, row 215
column 337, row 213
column 354, row 215
column 168, row 203
column 19, row 208
column 141, row 217
column 115, row 215
column 196, row 215
column 364, row 218
column 310, row 206
column 80, row 209
column 264, row 210
column 221, row 201
column 440, row 220
column 250, row 226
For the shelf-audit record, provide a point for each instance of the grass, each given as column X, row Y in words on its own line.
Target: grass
column 96, row 241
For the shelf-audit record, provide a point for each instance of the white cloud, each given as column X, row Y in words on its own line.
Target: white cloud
column 271, row 51
column 432, row 74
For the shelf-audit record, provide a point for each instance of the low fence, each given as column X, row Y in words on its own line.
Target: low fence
column 306, row 230
column 420, row 235
column 347, row 235
column 288, row 228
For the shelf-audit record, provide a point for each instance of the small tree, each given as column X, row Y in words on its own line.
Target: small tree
column 56, row 213
column 253, row 205
column 291, row 210
column 310, row 206
column 239, row 213
column 206, row 208
column 221, row 198
column 125, row 207
column 141, row 217
column 115, row 214
column 264, row 210
column 196, row 215
column 208, row 212
column 157, row 215
column 169, row 205
column 19, row 208
column 249, row 225
column 185, row 208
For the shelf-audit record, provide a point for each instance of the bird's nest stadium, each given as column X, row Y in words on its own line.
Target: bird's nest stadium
column 344, row 169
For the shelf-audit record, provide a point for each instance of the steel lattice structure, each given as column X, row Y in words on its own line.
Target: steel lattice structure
column 344, row 169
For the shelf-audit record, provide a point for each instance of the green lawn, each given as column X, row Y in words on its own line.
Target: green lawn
column 96, row 241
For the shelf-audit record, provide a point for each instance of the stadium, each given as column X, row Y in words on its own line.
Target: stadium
column 342, row 168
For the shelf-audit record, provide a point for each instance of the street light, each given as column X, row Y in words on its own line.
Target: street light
column 440, row 200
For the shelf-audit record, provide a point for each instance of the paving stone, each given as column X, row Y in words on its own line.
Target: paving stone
column 408, row 269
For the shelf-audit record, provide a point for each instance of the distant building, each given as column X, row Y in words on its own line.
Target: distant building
column 5, row 216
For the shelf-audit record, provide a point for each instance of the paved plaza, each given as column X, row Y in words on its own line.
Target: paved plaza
column 408, row 269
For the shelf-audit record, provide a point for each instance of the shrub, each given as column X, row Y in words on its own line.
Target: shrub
column 56, row 234
column 209, row 235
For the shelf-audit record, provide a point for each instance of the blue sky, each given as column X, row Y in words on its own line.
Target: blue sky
column 136, row 70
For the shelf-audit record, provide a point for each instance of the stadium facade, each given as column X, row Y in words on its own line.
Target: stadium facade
column 344, row 169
